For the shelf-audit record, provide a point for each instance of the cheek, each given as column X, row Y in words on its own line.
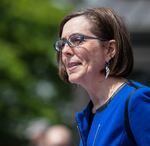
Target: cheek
column 97, row 57
column 63, row 59
column 82, row 53
column 90, row 55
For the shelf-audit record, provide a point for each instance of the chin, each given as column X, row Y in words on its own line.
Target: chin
column 75, row 78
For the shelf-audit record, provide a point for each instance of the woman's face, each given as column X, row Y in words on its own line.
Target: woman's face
column 85, row 61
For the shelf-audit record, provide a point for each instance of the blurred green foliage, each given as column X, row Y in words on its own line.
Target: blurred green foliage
column 29, row 85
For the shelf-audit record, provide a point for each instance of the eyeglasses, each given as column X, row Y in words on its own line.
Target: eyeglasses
column 73, row 41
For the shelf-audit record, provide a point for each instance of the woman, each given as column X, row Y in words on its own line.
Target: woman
column 94, row 51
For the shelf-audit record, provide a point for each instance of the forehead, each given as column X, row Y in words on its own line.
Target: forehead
column 79, row 24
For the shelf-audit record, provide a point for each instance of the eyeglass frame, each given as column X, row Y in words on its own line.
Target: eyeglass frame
column 69, row 43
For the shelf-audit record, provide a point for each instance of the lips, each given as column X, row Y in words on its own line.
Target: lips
column 72, row 65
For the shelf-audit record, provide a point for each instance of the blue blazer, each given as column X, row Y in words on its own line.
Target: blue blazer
column 106, row 127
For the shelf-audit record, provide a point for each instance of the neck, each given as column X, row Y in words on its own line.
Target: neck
column 101, row 91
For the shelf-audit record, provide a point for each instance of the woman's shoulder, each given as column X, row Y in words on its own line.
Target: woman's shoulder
column 138, row 84
column 141, row 92
column 140, row 96
column 139, row 111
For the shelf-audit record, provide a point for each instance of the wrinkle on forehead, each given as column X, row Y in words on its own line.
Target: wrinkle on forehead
column 79, row 24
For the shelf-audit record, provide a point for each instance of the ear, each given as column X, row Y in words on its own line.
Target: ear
column 110, row 50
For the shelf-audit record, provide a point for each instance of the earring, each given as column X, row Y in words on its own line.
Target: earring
column 107, row 70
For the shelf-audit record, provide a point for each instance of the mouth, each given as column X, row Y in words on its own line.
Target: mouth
column 73, row 65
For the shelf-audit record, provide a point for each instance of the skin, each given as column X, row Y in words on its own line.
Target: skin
column 57, row 136
column 88, row 60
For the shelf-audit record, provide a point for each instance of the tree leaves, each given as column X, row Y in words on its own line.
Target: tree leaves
column 29, row 85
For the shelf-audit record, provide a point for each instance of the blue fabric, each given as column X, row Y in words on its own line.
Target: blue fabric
column 106, row 126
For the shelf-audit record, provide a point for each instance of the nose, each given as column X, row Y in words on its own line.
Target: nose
column 67, row 50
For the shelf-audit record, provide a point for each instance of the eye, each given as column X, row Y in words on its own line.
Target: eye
column 76, row 39
column 60, row 44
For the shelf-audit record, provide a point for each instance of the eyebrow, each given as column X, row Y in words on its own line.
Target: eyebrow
column 72, row 35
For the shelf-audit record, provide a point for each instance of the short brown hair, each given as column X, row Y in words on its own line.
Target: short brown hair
column 106, row 25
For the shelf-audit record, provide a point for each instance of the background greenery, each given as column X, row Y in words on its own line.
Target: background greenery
column 29, row 85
